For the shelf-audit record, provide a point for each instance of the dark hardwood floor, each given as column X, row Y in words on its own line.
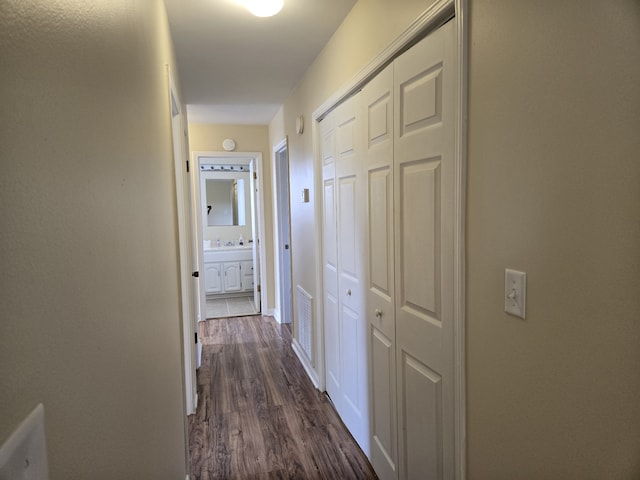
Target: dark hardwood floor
column 259, row 416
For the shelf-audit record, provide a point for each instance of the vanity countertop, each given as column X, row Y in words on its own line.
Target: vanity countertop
column 235, row 253
column 229, row 248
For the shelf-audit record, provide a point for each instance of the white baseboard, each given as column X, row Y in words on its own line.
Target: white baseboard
column 311, row 373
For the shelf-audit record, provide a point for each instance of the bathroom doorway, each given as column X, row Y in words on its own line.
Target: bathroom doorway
column 230, row 226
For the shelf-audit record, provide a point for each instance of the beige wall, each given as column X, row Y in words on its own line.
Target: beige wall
column 208, row 137
column 553, row 189
column 89, row 294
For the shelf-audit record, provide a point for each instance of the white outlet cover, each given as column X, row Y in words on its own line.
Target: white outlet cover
column 24, row 455
column 515, row 292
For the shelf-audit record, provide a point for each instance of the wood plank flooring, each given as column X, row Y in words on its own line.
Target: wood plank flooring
column 259, row 416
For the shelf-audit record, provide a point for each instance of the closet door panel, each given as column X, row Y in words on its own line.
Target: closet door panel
column 354, row 402
column 380, row 237
column 422, row 420
column 383, row 397
column 377, row 100
column 420, row 231
column 332, row 356
column 424, row 196
column 351, row 314
column 332, row 331
column 349, row 362
column 347, row 226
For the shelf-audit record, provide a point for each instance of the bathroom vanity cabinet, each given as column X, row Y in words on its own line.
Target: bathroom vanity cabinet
column 228, row 270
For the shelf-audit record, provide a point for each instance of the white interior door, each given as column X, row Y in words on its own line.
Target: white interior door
column 377, row 114
column 284, row 234
column 187, row 267
column 424, row 79
column 255, row 220
column 350, row 216
column 344, row 269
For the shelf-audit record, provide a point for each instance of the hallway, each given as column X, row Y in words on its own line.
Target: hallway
column 258, row 414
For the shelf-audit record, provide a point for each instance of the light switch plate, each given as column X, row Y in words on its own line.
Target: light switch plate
column 515, row 292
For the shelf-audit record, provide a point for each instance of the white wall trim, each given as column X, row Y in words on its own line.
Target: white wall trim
column 433, row 17
column 257, row 156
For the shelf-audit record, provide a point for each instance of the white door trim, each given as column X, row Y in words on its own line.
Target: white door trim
column 459, row 281
column 433, row 17
column 257, row 157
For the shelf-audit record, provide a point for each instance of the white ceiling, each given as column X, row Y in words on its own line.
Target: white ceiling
column 238, row 69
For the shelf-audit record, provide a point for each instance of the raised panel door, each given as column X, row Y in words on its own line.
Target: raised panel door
column 333, row 370
column 350, row 216
column 424, row 198
column 377, row 115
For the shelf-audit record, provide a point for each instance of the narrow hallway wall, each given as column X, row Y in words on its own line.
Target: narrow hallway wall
column 554, row 190
column 88, row 248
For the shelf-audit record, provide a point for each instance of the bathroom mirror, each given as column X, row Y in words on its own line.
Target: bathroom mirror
column 225, row 202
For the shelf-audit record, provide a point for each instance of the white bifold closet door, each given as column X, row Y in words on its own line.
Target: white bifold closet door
column 410, row 197
column 424, row 85
column 377, row 108
column 344, row 268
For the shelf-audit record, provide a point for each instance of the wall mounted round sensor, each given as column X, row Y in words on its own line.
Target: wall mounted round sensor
column 228, row 144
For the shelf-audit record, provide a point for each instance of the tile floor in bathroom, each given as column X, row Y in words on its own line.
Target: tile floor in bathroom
column 230, row 307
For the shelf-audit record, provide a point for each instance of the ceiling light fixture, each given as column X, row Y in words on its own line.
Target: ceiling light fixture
column 264, row 8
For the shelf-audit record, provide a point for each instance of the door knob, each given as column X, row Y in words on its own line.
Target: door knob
column 348, row 292
column 378, row 313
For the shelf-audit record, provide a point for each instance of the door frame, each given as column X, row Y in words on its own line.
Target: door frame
column 255, row 157
column 282, row 313
column 429, row 20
